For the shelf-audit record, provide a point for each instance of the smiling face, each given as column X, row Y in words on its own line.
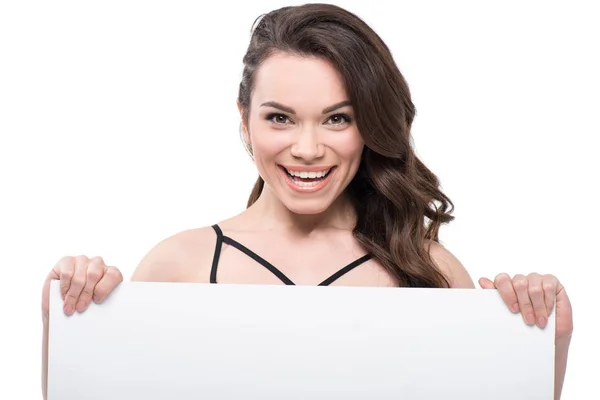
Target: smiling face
column 301, row 127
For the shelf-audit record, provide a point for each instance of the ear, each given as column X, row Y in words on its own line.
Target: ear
column 243, row 125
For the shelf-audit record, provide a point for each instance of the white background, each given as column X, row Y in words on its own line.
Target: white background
column 119, row 127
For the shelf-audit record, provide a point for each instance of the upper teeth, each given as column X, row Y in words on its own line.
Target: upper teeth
column 306, row 174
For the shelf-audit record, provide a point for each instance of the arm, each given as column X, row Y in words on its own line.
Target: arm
column 449, row 265
column 45, row 359
column 82, row 280
column 184, row 257
column 561, row 349
column 460, row 278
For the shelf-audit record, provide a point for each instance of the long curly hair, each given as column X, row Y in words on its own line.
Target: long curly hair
column 398, row 201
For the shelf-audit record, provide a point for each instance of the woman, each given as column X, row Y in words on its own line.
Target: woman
column 341, row 199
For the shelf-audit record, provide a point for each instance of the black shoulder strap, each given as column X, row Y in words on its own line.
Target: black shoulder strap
column 346, row 269
column 226, row 239
column 258, row 259
column 218, row 245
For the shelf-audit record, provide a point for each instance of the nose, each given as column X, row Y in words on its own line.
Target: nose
column 306, row 145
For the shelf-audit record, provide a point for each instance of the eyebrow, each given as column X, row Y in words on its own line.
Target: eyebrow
column 290, row 110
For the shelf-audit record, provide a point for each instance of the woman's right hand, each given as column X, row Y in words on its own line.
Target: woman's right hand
column 82, row 280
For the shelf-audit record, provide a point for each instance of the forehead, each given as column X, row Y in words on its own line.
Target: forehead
column 306, row 83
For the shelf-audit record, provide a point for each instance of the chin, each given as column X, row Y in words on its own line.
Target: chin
column 307, row 206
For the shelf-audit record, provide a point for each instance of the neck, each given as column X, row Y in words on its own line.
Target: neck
column 270, row 213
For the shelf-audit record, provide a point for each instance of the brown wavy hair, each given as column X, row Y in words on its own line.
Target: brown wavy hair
column 398, row 202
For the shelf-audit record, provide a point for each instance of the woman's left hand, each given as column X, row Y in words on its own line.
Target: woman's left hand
column 534, row 297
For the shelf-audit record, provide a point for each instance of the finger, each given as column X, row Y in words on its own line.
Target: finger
column 93, row 274
column 505, row 286
column 485, row 283
column 536, row 295
column 521, row 285
column 111, row 278
column 65, row 270
column 565, row 310
column 77, row 284
column 65, row 264
column 550, row 286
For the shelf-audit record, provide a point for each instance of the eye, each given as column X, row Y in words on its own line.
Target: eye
column 338, row 119
column 280, row 119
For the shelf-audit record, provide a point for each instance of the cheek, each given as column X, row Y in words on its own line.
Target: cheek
column 267, row 145
column 349, row 146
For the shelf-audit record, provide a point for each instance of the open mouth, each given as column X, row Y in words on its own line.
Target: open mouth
column 306, row 180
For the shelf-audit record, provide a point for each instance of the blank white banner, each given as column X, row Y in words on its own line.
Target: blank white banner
column 199, row 341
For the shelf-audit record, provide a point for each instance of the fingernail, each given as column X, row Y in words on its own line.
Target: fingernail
column 541, row 322
column 68, row 309
column 80, row 306
column 515, row 307
column 530, row 319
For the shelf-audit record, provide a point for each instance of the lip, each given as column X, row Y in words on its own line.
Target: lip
column 304, row 189
column 307, row 168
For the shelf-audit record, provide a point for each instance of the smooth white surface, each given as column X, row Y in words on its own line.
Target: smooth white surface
column 187, row 341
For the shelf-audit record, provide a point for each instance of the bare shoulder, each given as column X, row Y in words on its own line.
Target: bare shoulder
column 183, row 257
column 450, row 266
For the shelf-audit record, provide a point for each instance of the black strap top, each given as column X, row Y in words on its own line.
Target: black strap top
column 232, row 242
